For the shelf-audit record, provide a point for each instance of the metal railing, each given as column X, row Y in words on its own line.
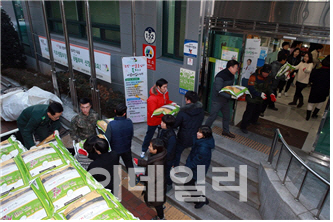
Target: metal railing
column 277, row 137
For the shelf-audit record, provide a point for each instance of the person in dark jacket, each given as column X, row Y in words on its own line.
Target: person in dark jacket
column 294, row 59
column 40, row 120
column 168, row 135
column 188, row 119
column 220, row 100
column 320, row 88
column 260, row 88
column 119, row 133
column 276, row 65
column 285, row 49
column 105, row 160
column 156, row 159
column 201, row 154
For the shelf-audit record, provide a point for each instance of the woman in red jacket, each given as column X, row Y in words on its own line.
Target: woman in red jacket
column 159, row 96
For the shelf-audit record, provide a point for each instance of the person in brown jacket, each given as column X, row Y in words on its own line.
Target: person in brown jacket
column 156, row 159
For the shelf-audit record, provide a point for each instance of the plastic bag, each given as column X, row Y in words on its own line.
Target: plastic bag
column 166, row 109
column 286, row 67
column 15, row 102
column 236, row 90
column 10, row 148
column 103, row 124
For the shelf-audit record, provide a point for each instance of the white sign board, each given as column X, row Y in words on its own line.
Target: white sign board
column 190, row 48
column 220, row 65
column 80, row 58
column 251, row 55
column 135, row 82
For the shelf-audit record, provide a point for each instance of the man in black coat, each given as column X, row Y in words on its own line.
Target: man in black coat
column 189, row 119
column 220, row 101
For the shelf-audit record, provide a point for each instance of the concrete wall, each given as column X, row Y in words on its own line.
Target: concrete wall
column 147, row 14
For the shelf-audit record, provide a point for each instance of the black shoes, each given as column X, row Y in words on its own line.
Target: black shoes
column 256, row 124
column 262, row 114
column 201, row 204
column 300, row 105
column 292, row 103
column 245, row 131
column 273, row 108
column 228, row 134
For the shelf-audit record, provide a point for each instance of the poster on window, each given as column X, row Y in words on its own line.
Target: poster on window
column 251, row 56
column 80, row 58
column 219, row 66
column 186, row 80
column 229, row 53
column 135, row 83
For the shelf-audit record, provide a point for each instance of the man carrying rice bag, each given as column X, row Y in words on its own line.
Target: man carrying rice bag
column 220, row 100
column 159, row 96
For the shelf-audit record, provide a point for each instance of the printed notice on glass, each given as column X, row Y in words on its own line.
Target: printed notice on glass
column 135, row 82
column 80, row 58
column 186, row 80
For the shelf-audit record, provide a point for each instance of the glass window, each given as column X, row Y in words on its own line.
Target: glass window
column 174, row 21
column 104, row 16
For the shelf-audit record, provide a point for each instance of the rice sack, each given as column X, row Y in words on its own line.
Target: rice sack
column 12, row 177
column 166, row 109
column 103, row 124
column 43, row 159
column 10, row 148
column 24, row 205
column 93, row 206
column 63, row 186
column 284, row 69
column 236, row 90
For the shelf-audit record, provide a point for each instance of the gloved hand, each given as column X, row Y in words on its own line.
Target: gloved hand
column 263, row 96
column 173, row 103
column 136, row 161
column 293, row 76
column 233, row 97
column 83, row 152
column 287, row 77
column 273, row 98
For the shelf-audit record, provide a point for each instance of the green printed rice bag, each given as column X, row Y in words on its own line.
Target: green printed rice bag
column 42, row 160
column 24, row 204
column 10, row 148
column 236, row 90
column 103, row 124
column 284, row 69
column 93, row 206
column 12, row 177
column 166, row 109
column 63, row 186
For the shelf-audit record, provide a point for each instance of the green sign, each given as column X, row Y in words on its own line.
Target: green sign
column 229, row 53
column 186, row 80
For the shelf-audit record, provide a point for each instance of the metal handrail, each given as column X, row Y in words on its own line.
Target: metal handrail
column 278, row 136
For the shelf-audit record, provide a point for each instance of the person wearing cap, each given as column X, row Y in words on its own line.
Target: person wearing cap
column 220, row 100
column 259, row 86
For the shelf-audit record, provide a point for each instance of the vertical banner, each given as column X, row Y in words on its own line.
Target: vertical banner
column 149, row 53
column 135, row 82
column 80, row 58
column 186, row 80
column 251, row 56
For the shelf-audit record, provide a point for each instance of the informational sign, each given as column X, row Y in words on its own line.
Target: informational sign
column 186, row 80
column 80, row 58
column 190, row 61
column 262, row 56
column 220, row 65
column 190, row 48
column 135, row 82
column 251, row 56
column 150, row 35
column 149, row 53
column 229, row 53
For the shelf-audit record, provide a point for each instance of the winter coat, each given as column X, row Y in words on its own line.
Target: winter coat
column 83, row 126
column 201, row 154
column 276, row 65
column 222, row 79
column 189, row 119
column 158, row 197
column 320, row 88
column 169, row 138
column 256, row 85
column 119, row 133
column 304, row 71
column 155, row 101
column 34, row 118
column 294, row 62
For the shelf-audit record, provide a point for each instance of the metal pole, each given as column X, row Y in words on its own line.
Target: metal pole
column 93, row 84
column 32, row 35
column 133, row 28
column 321, row 203
column 69, row 58
column 278, row 159
column 301, row 187
column 48, row 37
column 285, row 176
column 323, row 120
column 270, row 156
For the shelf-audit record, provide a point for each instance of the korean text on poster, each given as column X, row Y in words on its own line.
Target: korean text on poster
column 80, row 58
column 229, row 53
column 135, row 82
column 186, row 80
column 190, row 48
column 149, row 53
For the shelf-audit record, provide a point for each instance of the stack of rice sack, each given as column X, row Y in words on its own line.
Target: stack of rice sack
column 103, row 124
column 48, row 183
column 236, row 90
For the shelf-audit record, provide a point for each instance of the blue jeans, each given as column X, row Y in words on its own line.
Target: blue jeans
column 149, row 135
